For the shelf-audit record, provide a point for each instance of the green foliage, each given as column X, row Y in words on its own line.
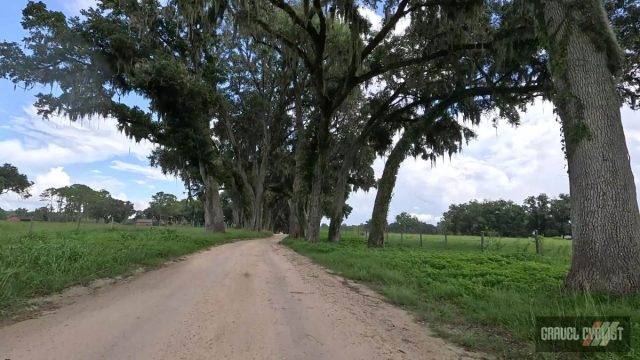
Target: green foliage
column 11, row 180
column 625, row 17
column 550, row 217
column 55, row 256
column 163, row 206
column 80, row 200
column 484, row 300
column 408, row 223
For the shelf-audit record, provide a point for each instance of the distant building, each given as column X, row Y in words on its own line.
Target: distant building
column 144, row 222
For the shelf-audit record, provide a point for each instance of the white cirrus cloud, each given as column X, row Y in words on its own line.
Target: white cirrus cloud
column 147, row 171
column 35, row 143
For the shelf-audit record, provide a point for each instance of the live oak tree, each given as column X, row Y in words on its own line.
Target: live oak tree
column 310, row 30
column 163, row 51
column 587, row 62
column 11, row 180
column 256, row 122
column 342, row 53
column 437, row 98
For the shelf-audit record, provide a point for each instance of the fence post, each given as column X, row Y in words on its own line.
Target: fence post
column 445, row 238
column 537, row 239
column 420, row 238
column 31, row 225
column 482, row 240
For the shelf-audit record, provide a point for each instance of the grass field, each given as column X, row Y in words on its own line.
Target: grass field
column 54, row 256
column 485, row 300
column 556, row 247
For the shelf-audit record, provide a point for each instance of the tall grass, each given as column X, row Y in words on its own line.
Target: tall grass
column 54, row 256
column 485, row 300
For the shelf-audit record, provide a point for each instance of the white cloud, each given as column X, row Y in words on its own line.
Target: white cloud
column 140, row 205
column 402, row 25
column 505, row 162
column 101, row 182
column 58, row 141
column 376, row 21
column 372, row 17
column 75, row 6
column 427, row 218
column 149, row 172
column 54, row 178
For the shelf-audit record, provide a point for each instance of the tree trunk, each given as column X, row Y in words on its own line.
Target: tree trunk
column 340, row 195
column 315, row 204
column 213, row 215
column 315, row 197
column 604, row 210
column 258, row 206
column 294, row 225
column 297, row 218
column 335, row 223
column 385, row 191
column 341, row 189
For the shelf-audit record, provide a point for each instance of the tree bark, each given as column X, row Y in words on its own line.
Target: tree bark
column 213, row 215
column 294, row 225
column 385, row 191
column 258, row 206
column 340, row 194
column 315, row 197
column 604, row 210
column 298, row 199
column 315, row 204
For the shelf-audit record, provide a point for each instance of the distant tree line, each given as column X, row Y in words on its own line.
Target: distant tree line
column 550, row 217
column 165, row 208
column 408, row 223
column 79, row 201
column 404, row 223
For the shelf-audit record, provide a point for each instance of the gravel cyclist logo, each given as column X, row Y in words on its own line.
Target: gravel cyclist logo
column 600, row 334
column 583, row 334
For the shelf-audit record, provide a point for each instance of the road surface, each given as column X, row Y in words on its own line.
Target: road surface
column 253, row 299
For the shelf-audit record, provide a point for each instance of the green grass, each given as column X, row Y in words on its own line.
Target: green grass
column 54, row 256
column 485, row 300
column 555, row 247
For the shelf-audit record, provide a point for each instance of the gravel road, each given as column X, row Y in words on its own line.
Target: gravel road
column 253, row 299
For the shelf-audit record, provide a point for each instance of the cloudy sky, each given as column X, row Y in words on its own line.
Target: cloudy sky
column 503, row 162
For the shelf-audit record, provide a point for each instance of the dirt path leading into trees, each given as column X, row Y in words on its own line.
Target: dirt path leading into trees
column 251, row 299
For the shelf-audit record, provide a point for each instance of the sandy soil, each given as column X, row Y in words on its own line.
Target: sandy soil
column 251, row 299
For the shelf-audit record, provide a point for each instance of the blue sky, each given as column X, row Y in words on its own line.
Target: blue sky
column 59, row 152
column 503, row 162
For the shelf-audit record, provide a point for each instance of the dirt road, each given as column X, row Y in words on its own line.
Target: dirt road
column 252, row 299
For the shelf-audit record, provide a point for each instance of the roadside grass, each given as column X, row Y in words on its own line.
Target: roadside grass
column 55, row 256
column 483, row 300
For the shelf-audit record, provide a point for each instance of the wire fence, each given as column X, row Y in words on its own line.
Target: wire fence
column 482, row 242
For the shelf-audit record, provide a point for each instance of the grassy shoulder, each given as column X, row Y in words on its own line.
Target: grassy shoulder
column 54, row 256
column 485, row 300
